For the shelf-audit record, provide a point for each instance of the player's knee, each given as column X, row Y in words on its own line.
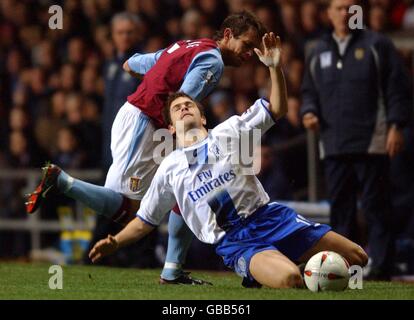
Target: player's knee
column 362, row 257
column 358, row 256
column 293, row 279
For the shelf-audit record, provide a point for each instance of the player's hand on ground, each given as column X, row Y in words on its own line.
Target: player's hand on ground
column 395, row 141
column 311, row 122
column 272, row 48
column 103, row 248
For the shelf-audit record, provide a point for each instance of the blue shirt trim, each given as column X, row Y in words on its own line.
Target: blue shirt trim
column 146, row 221
column 267, row 109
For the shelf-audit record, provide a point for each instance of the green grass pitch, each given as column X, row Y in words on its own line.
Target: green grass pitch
column 30, row 281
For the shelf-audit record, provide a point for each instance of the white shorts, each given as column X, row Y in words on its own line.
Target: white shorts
column 132, row 146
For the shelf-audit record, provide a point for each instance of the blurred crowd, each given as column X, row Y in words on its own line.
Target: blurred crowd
column 52, row 81
column 52, row 84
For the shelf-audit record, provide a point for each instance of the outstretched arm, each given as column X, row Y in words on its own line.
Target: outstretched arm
column 139, row 64
column 158, row 200
column 271, row 58
column 129, row 70
column 134, row 231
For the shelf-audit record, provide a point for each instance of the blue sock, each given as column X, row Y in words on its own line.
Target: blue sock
column 179, row 241
column 103, row 200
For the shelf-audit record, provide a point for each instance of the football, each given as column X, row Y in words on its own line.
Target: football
column 326, row 271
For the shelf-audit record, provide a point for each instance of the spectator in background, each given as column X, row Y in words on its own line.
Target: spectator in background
column 76, row 52
column 44, row 56
column 47, row 125
column 87, row 129
column 19, row 120
column 408, row 20
column 215, row 11
column 294, row 76
column 378, row 20
column 191, row 23
column 220, row 106
column 242, row 103
column 309, row 17
column 291, row 23
column 22, row 152
column 272, row 176
column 69, row 154
column 356, row 92
column 15, row 64
column 68, row 78
column 288, row 138
column 90, row 83
column 269, row 15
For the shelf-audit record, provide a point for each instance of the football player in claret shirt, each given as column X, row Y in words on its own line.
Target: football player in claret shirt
column 192, row 66
column 225, row 205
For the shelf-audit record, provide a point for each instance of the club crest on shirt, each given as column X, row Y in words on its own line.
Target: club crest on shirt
column 214, row 149
column 134, row 184
column 359, row 53
column 241, row 267
column 209, row 76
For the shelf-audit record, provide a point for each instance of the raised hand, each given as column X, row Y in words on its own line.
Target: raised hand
column 271, row 50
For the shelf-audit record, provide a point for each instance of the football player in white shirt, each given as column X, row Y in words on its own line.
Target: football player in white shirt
column 222, row 204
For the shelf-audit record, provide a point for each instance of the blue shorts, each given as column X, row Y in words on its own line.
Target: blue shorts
column 272, row 227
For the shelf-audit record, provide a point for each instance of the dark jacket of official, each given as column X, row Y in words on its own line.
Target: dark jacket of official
column 356, row 96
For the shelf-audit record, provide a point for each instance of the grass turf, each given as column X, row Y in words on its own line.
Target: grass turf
column 30, row 281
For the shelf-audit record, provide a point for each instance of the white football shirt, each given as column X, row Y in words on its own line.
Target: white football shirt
column 212, row 189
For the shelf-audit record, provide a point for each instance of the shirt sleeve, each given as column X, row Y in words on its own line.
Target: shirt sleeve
column 158, row 200
column 141, row 63
column 258, row 117
column 203, row 75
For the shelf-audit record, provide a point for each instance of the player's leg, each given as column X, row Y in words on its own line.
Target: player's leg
column 104, row 201
column 179, row 241
column 304, row 238
column 333, row 241
column 273, row 269
column 123, row 190
column 299, row 238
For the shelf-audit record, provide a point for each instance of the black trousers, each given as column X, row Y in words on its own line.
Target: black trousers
column 347, row 177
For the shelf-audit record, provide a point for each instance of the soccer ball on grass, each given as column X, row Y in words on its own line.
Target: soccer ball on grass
column 326, row 271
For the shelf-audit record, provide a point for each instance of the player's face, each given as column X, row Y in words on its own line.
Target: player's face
column 338, row 14
column 239, row 49
column 124, row 35
column 185, row 110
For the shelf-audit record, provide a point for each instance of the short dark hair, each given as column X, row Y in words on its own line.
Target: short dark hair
column 240, row 23
column 166, row 111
